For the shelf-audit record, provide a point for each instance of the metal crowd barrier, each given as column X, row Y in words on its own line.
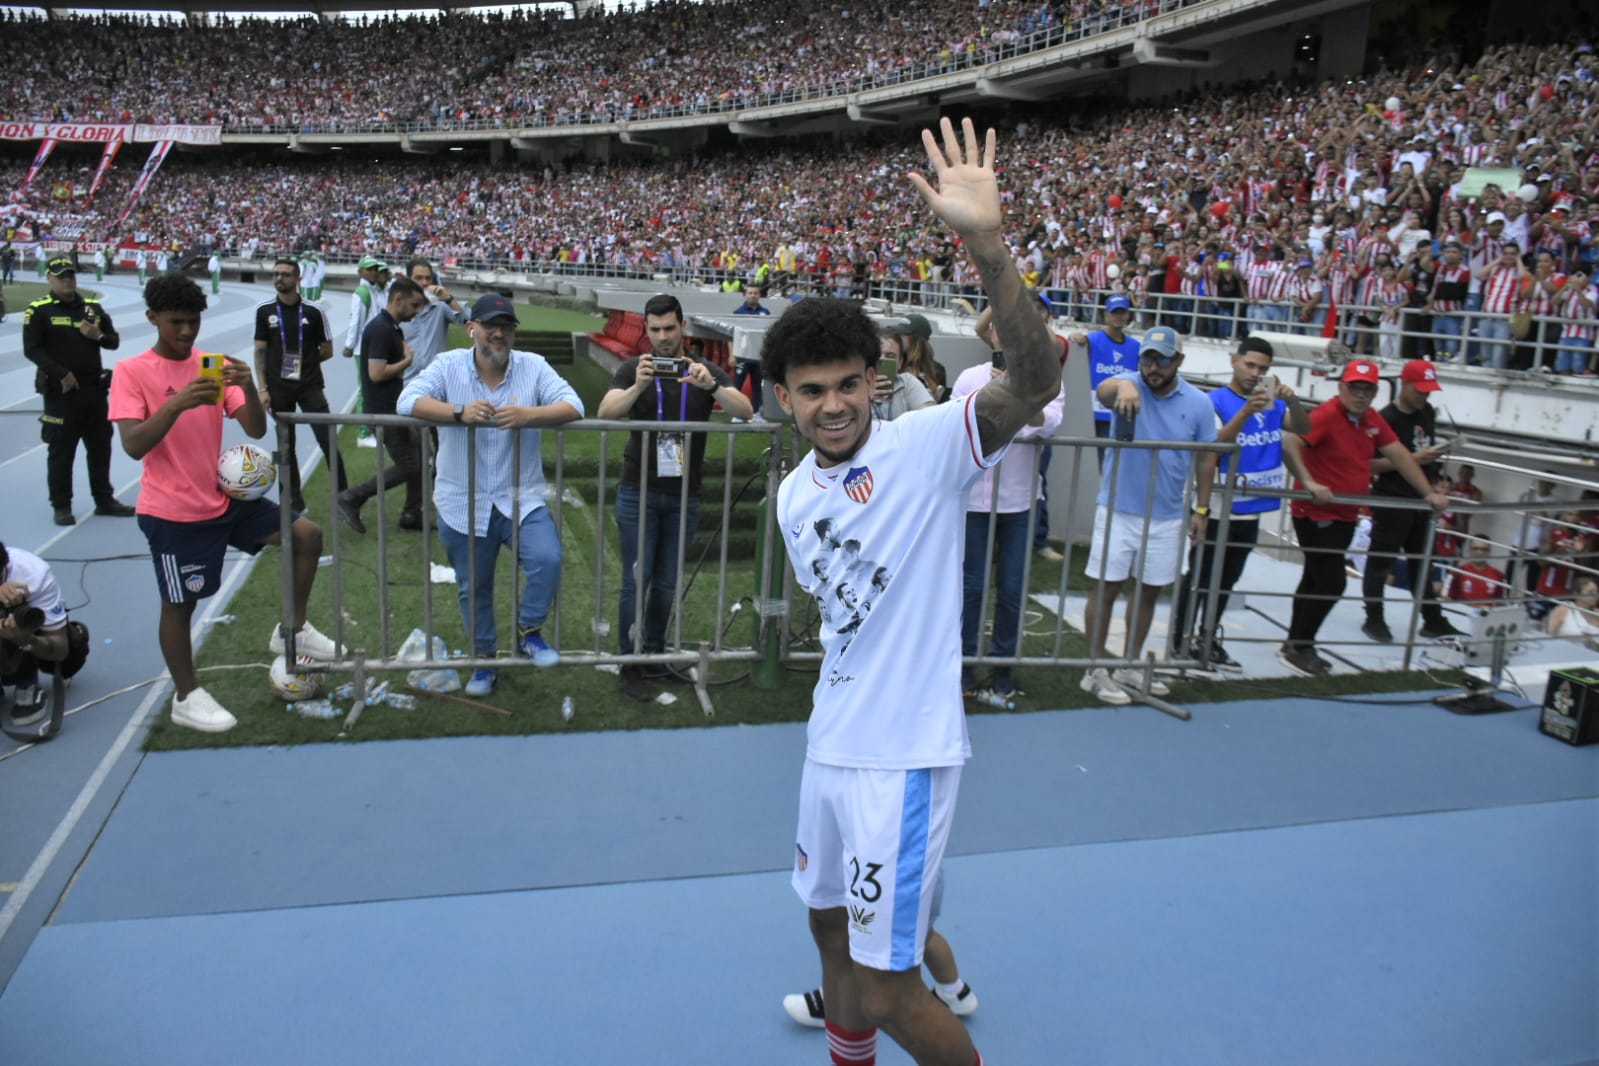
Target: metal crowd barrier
column 770, row 588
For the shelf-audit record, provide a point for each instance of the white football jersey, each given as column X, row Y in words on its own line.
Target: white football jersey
column 878, row 542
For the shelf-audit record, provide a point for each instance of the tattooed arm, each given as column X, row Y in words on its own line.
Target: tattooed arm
column 967, row 200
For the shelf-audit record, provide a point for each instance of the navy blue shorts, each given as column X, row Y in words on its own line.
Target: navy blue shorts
column 188, row 555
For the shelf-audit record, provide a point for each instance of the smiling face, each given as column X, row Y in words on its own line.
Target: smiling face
column 831, row 404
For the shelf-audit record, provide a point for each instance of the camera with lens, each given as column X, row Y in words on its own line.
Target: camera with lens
column 24, row 616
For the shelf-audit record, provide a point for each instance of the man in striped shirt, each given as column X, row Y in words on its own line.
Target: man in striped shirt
column 1576, row 304
column 503, row 398
column 1502, row 283
column 1448, row 299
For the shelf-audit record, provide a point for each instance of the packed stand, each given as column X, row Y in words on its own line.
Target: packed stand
column 1270, row 207
column 517, row 68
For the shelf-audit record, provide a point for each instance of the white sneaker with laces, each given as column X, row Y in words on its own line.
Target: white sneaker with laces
column 308, row 642
column 961, row 1003
column 199, row 711
column 806, row 1008
column 1098, row 683
column 1134, row 679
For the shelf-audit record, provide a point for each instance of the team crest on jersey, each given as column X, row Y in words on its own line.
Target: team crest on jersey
column 858, row 484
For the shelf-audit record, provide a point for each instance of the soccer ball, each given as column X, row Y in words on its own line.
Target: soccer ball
column 294, row 687
column 1113, row 272
column 246, row 472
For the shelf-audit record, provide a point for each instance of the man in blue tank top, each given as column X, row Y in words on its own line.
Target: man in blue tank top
column 1249, row 412
column 1110, row 352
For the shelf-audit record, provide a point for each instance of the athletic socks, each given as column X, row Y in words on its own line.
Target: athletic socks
column 953, row 989
column 851, row 1049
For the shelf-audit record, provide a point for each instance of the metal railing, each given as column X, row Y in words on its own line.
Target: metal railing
column 784, row 626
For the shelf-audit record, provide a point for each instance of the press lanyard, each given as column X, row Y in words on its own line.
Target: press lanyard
column 299, row 328
column 682, row 407
column 291, row 359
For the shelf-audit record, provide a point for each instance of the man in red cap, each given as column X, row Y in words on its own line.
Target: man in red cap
column 1334, row 458
column 1402, row 532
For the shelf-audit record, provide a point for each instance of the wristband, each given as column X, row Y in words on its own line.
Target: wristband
column 1201, row 510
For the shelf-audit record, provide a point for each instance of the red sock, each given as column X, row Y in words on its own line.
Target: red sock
column 851, row 1049
column 979, row 1058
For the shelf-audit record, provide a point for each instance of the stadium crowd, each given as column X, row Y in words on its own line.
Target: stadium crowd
column 516, row 68
column 1264, row 204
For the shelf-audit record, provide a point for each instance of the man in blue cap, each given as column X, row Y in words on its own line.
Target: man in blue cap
column 506, row 397
column 1111, row 352
column 1139, row 524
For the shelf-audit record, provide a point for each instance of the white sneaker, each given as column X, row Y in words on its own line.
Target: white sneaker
column 201, row 712
column 307, row 642
column 1134, row 679
column 1099, row 683
column 962, row 1003
column 806, row 1008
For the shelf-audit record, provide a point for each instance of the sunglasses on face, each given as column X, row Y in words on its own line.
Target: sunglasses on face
column 1162, row 361
column 1361, row 388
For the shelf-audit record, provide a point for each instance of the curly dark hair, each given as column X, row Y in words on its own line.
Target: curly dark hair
column 816, row 331
column 173, row 292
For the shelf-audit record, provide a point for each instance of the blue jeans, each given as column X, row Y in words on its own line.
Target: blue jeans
column 1041, row 527
column 1495, row 329
column 659, row 577
column 1448, row 326
column 1573, row 355
column 539, row 552
column 1010, row 556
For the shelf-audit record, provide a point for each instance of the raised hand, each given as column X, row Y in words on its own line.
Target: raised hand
column 967, row 194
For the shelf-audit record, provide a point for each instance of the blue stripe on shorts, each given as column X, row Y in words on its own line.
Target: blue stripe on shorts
column 914, row 825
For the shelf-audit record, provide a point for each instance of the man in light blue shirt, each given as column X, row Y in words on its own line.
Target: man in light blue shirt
column 501, row 398
column 1139, row 521
column 426, row 332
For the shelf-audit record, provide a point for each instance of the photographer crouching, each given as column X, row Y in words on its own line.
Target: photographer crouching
column 34, row 634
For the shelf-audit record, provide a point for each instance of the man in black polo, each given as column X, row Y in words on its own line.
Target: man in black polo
column 683, row 389
column 292, row 341
column 62, row 335
column 385, row 355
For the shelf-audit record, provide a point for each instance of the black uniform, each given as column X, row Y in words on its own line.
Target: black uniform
column 1402, row 532
column 52, row 341
column 299, row 328
column 382, row 341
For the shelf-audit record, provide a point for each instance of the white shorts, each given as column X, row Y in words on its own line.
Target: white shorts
column 873, row 841
column 1129, row 554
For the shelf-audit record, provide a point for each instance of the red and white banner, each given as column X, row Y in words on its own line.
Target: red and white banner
column 110, row 153
column 98, row 132
column 151, row 165
column 38, row 162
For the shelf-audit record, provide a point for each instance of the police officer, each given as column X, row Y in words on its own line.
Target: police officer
column 62, row 335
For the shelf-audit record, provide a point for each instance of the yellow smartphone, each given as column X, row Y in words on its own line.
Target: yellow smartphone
column 211, row 367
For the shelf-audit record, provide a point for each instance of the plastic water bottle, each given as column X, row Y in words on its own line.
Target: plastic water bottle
column 400, row 701
column 313, row 709
column 998, row 700
column 567, row 709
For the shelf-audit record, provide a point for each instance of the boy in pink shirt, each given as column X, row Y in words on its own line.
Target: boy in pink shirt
column 169, row 417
